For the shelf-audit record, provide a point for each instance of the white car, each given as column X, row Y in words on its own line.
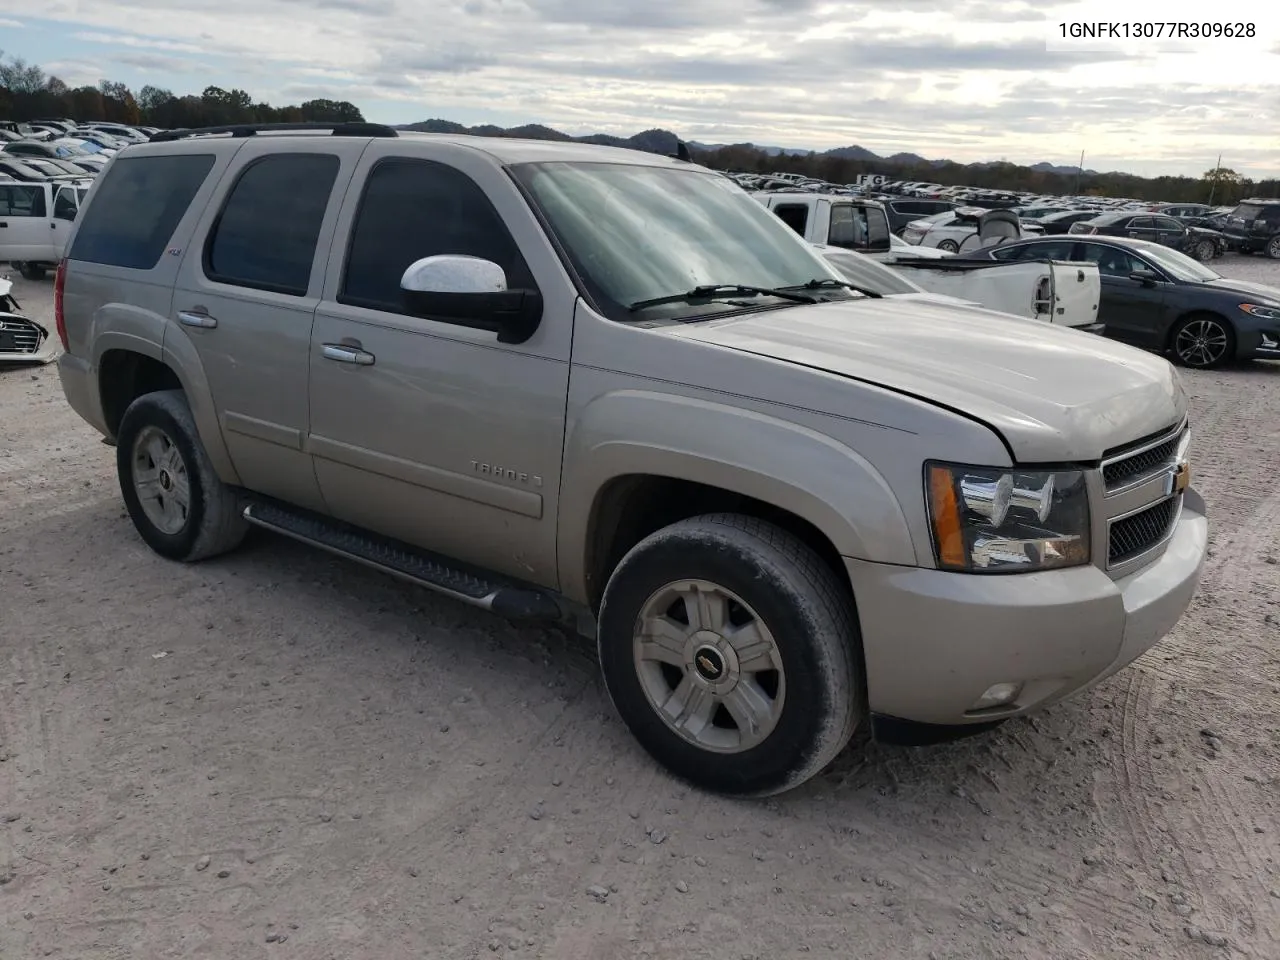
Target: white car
column 35, row 221
column 900, row 249
column 948, row 230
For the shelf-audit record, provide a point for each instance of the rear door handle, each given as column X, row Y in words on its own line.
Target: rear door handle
column 196, row 318
column 344, row 353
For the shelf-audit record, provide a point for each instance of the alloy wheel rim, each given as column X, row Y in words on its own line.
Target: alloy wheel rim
column 1201, row 343
column 709, row 666
column 161, row 480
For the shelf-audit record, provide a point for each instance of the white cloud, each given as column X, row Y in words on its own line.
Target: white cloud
column 966, row 79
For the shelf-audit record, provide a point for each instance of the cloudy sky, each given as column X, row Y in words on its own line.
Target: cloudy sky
column 963, row 79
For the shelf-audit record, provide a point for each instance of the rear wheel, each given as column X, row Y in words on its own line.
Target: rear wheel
column 948, row 245
column 1273, row 247
column 731, row 651
column 177, row 503
column 31, row 271
column 1203, row 341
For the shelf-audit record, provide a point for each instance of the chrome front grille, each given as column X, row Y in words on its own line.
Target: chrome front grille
column 1142, row 460
column 1143, row 485
column 1137, row 533
column 18, row 335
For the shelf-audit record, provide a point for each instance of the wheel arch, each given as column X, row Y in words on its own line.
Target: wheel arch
column 683, row 456
column 129, row 366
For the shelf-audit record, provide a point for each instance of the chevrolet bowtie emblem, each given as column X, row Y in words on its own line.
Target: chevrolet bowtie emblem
column 1182, row 477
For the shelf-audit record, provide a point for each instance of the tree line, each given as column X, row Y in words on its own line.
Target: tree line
column 28, row 93
column 1221, row 185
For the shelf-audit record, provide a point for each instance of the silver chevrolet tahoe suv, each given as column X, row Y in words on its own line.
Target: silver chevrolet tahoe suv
column 609, row 389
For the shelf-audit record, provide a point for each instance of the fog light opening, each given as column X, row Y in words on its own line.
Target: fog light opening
column 997, row 695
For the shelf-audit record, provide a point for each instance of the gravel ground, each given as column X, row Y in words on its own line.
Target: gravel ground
column 279, row 753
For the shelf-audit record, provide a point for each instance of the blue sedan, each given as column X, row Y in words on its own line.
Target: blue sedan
column 1155, row 297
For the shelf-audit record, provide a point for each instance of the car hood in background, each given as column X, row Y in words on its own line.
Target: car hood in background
column 1054, row 394
column 1258, row 291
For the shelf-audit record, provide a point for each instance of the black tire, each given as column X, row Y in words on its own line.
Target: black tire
column 31, row 271
column 1205, row 250
column 214, row 523
column 797, row 597
column 1216, row 331
column 1273, row 247
column 950, row 246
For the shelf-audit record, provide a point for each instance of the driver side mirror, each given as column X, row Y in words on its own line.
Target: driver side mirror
column 1148, row 278
column 470, row 292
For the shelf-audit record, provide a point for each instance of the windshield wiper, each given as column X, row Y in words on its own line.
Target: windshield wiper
column 712, row 290
column 827, row 283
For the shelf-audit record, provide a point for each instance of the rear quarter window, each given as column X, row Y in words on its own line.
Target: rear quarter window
column 137, row 207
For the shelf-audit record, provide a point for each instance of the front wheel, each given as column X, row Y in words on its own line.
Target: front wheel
column 177, row 503
column 31, row 271
column 1205, row 250
column 731, row 651
column 1203, row 341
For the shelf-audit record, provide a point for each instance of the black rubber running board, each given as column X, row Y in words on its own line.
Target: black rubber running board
column 475, row 587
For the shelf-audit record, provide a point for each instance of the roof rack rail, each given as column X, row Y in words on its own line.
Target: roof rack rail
column 252, row 129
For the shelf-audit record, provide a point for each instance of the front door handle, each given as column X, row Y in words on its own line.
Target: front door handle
column 345, row 353
column 196, row 318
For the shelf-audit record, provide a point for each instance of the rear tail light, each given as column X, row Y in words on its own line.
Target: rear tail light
column 59, row 317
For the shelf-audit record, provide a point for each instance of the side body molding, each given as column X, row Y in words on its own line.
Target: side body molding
column 796, row 468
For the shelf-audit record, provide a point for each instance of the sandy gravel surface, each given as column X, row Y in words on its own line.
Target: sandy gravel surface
column 281, row 754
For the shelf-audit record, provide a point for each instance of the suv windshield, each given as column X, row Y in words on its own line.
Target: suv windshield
column 635, row 233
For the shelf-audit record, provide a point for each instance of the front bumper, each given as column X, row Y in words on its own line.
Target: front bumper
column 22, row 340
column 1258, row 344
column 935, row 642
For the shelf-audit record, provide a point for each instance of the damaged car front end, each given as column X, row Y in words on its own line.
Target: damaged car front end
column 22, row 340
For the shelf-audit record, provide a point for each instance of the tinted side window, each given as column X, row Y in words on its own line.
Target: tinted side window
column 794, row 215
column 65, row 204
column 413, row 209
column 1270, row 214
column 136, row 209
column 1011, row 253
column 1052, row 250
column 1112, row 262
column 21, row 201
column 1167, row 223
column 1142, row 223
column 265, row 237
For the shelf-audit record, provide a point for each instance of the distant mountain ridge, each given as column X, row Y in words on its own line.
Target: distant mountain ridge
column 664, row 141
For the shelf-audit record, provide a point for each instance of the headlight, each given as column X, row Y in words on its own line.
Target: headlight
column 994, row 520
column 1261, row 312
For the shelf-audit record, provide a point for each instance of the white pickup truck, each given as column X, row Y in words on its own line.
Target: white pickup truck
column 1064, row 294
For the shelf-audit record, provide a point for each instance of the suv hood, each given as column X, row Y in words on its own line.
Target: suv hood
column 1053, row 394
